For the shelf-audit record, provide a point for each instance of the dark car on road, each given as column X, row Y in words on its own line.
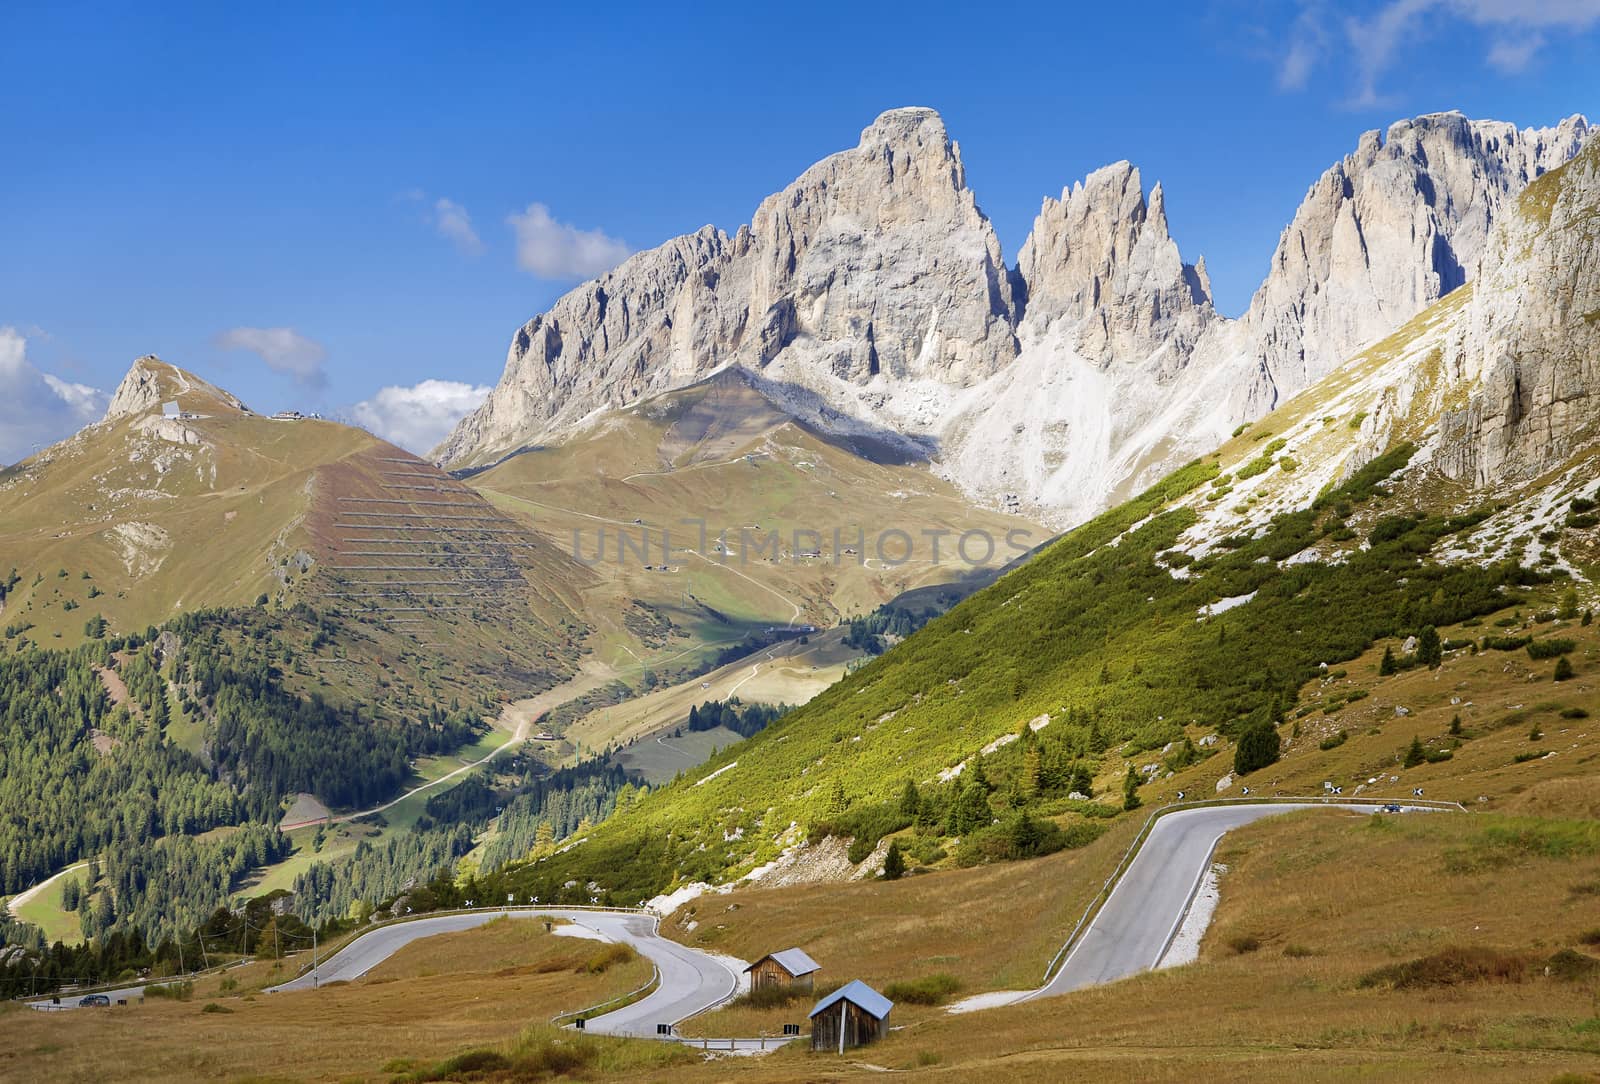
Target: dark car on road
column 95, row 999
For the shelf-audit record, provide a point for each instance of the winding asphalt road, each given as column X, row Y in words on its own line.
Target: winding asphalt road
column 691, row 981
column 1130, row 934
column 1141, row 916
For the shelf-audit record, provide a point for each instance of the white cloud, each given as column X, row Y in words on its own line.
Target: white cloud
column 1308, row 42
column 36, row 408
column 419, row 417
column 1512, row 55
column 554, row 250
column 1517, row 26
column 283, row 349
column 1376, row 41
column 455, row 225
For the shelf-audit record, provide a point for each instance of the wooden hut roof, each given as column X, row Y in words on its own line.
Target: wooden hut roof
column 793, row 960
column 859, row 994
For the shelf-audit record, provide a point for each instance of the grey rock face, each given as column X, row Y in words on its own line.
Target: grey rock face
column 1101, row 258
column 875, row 265
column 655, row 322
column 150, row 382
column 872, row 294
column 880, row 257
column 141, row 389
column 1385, row 233
column 1530, row 338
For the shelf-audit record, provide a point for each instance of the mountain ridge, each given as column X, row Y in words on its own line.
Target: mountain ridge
column 830, row 297
column 1238, row 592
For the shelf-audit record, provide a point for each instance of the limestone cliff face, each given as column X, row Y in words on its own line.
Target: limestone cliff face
column 871, row 296
column 1102, row 260
column 876, row 265
column 1385, row 233
column 1529, row 342
column 878, row 261
column 149, row 382
column 654, row 322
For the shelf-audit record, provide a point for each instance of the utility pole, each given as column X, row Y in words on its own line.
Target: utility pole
column 316, row 982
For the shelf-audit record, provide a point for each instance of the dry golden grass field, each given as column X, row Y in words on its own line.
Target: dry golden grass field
column 1488, row 926
column 432, row 999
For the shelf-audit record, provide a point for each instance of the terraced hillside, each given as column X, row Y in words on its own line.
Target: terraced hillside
column 144, row 517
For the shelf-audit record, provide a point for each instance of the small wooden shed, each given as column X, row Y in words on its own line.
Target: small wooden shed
column 791, row 967
column 853, row 1015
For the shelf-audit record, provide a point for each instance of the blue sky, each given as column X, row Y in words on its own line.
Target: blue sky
column 309, row 206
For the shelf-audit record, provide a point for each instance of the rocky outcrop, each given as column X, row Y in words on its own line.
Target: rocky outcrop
column 874, row 267
column 141, row 390
column 652, row 323
column 1385, row 233
column 878, row 261
column 150, row 382
column 871, row 295
column 1529, row 341
column 1101, row 259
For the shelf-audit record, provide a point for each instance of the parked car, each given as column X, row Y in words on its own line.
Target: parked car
column 94, row 999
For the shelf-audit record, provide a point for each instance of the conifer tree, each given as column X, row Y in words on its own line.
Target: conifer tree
column 894, row 863
column 1130, row 790
column 1430, row 652
column 1029, row 784
column 910, row 801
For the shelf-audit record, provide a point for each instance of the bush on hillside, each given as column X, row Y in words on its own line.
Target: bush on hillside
column 1259, row 746
column 1022, row 836
column 1450, row 967
column 608, row 957
column 1415, row 755
column 1550, row 648
column 928, row 990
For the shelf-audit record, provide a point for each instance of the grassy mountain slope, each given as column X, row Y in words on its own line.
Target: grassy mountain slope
column 141, row 518
column 1204, row 608
column 164, row 515
column 269, row 607
column 719, row 454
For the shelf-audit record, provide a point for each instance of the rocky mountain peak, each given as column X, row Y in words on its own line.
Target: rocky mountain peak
column 1387, row 231
column 874, row 268
column 150, row 382
column 870, row 297
column 877, row 260
column 1102, row 259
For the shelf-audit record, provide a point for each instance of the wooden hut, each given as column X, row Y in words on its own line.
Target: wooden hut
column 791, row 967
column 853, row 1015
